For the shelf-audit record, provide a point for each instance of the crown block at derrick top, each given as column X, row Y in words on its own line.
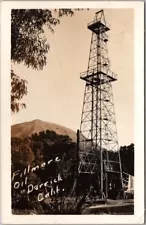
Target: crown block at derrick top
column 99, row 25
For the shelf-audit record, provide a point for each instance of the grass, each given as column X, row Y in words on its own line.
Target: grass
column 54, row 206
column 73, row 206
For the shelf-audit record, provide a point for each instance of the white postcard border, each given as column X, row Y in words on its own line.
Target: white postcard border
column 7, row 217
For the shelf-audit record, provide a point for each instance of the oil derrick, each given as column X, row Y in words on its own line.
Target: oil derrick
column 99, row 156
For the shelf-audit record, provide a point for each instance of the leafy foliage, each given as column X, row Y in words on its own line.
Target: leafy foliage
column 18, row 90
column 38, row 149
column 22, row 154
column 41, row 148
column 29, row 44
column 127, row 158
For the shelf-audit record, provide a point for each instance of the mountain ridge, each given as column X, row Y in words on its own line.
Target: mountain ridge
column 26, row 129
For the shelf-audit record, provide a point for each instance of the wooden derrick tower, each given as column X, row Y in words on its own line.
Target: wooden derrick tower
column 99, row 156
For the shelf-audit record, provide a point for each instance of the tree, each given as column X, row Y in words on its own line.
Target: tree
column 18, row 90
column 22, row 154
column 127, row 158
column 35, row 150
column 29, row 44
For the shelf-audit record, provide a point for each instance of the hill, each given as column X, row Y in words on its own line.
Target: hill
column 26, row 129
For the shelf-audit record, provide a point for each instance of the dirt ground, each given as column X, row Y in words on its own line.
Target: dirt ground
column 114, row 207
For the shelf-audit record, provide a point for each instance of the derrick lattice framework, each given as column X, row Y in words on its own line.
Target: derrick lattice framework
column 98, row 134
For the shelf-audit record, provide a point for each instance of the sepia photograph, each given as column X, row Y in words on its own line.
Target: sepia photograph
column 72, row 103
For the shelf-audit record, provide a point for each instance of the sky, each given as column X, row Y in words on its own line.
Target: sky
column 56, row 93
